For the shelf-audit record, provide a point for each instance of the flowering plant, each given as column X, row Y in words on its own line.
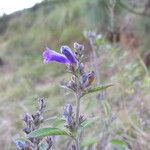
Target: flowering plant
column 80, row 84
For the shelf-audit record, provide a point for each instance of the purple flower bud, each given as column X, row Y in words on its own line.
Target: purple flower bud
column 19, row 144
column 27, row 119
column 50, row 55
column 22, row 145
column 78, row 47
column 37, row 118
column 69, row 54
column 68, row 110
column 49, row 141
column 73, row 147
column 87, row 79
column 84, row 78
column 69, row 121
column 27, row 130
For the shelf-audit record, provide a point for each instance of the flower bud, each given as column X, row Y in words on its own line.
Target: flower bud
column 49, row 141
column 69, row 54
column 37, row 118
column 78, row 46
column 27, row 119
column 68, row 109
column 87, row 79
column 22, row 145
column 73, row 147
column 27, row 130
column 69, row 121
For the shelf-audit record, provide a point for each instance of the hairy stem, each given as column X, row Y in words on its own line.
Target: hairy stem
column 78, row 143
column 77, row 111
column 77, row 121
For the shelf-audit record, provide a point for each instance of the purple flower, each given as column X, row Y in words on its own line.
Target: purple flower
column 50, row 55
column 69, row 54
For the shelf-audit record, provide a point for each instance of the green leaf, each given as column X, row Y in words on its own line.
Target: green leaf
column 48, row 132
column 89, row 122
column 88, row 142
column 106, row 108
column 96, row 89
column 118, row 142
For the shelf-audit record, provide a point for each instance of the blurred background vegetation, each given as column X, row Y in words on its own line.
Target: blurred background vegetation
column 123, row 57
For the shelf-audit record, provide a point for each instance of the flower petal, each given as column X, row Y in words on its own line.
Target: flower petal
column 50, row 55
column 69, row 54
